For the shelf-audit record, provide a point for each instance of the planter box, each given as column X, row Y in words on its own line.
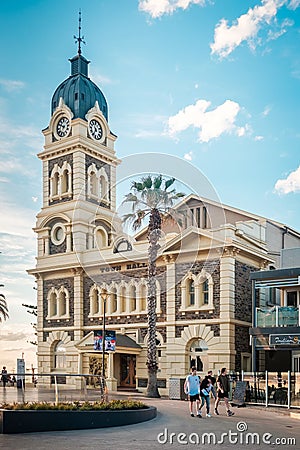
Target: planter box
column 23, row 421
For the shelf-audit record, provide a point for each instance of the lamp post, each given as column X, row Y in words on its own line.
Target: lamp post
column 104, row 296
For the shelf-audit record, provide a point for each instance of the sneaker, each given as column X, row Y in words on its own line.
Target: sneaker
column 199, row 415
column 208, row 415
column 230, row 413
column 216, row 412
column 192, row 415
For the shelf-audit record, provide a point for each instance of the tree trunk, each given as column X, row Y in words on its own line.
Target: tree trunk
column 153, row 236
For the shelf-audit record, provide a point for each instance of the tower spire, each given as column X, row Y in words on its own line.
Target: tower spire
column 79, row 39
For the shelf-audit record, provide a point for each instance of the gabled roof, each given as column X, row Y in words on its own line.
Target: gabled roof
column 121, row 341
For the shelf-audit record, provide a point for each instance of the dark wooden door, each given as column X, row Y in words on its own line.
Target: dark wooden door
column 128, row 365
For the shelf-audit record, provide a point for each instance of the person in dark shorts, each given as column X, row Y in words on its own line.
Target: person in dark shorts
column 192, row 388
column 223, row 392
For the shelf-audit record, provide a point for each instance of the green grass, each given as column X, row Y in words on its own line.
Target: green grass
column 113, row 405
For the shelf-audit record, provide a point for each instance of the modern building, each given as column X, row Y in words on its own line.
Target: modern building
column 276, row 320
column 204, row 303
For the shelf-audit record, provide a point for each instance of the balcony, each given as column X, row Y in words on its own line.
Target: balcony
column 278, row 316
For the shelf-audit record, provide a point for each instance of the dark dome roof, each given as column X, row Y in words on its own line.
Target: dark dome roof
column 78, row 91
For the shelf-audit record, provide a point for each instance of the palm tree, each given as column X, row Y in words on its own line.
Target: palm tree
column 151, row 197
column 3, row 307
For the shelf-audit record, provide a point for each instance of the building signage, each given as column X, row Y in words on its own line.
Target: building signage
column 119, row 267
column 284, row 339
column 110, row 340
column 20, row 372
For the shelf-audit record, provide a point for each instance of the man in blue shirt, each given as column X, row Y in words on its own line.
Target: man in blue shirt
column 192, row 388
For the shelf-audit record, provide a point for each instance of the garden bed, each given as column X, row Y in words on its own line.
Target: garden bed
column 83, row 417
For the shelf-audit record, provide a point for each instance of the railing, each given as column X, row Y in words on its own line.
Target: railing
column 272, row 388
column 277, row 316
column 53, row 387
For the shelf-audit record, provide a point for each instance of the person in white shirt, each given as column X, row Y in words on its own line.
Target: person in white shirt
column 192, row 388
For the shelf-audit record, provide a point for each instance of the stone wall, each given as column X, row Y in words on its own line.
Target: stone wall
column 241, row 344
column 243, row 292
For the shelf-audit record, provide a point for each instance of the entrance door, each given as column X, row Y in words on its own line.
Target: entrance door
column 127, row 368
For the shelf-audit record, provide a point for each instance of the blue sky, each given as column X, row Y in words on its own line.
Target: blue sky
column 211, row 82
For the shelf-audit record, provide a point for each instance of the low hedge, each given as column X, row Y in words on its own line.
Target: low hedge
column 75, row 406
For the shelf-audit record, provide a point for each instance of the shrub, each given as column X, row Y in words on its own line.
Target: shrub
column 75, row 406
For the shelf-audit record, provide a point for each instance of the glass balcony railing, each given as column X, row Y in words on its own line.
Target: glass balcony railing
column 278, row 316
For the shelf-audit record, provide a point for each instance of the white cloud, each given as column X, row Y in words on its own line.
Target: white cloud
column 100, row 79
column 157, row 8
column 18, row 335
column 266, row 111
column 247, row 26
column 294, row 4
column 258, row 138
column 289, row 184
column 16, row 220
column 210, row 123
column 12, row 85
column 188, row 156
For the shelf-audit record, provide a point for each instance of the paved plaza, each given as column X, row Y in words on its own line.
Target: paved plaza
column 274, row 426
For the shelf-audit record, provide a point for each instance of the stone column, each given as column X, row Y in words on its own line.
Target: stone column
column 227, row 307
column 111, row 381
column 78, row 304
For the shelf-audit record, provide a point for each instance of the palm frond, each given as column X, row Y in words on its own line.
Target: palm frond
column 169, row 183
column 157, row 182
column 147, row 182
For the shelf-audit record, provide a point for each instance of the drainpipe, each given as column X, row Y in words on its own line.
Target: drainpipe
column 253, row 324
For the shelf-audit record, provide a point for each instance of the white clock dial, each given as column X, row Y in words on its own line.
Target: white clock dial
column 95, row 129
column 63, row 127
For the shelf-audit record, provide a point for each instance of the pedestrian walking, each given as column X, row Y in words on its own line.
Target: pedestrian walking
column 192, row 388
column 223, row 392
column 213, row 382
column 4, row 376
column 205, row 389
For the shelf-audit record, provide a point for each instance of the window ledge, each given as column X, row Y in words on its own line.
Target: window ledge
column 58, row 318
column 209, row 308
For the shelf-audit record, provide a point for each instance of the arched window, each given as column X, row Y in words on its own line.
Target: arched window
column 204, row 292
column 113, row 300
column 197, row 291
column 132, row 298
column 62, row 304
column 101, row 238
column 93, row 184
column 123, row 299
column 58, row 303
column 191, row 292
column 55, row 183
column 65, row 181
column 103, row 184
column 52, row 304
column 206, row 285
column 143, row 294
column 94, row 301
column 60, row 355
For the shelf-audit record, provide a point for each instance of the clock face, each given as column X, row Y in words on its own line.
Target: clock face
column 95, row 129
column 63, row 127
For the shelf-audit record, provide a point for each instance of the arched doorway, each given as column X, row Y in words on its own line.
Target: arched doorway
column 198, row 356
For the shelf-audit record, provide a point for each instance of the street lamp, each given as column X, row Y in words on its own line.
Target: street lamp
column 104, row 296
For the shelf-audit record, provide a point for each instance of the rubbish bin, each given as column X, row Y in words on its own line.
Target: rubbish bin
column 176, row 389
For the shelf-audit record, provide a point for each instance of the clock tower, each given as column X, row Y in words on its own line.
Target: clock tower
column 78, row 216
